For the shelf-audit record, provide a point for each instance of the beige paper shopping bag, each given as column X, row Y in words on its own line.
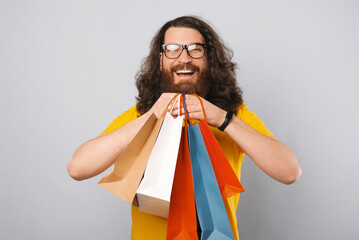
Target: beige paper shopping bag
column 128, row 169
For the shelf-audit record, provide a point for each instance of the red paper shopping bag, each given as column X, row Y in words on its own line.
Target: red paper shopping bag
column 228, row 182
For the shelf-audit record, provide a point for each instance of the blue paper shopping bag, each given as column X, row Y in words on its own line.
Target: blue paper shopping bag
column 211, row 211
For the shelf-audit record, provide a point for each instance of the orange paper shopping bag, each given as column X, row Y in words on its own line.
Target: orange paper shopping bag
column 182, row 222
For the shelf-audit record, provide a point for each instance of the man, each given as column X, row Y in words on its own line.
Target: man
column 188, row 56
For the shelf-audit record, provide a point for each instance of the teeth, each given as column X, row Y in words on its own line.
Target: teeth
column 184, row 71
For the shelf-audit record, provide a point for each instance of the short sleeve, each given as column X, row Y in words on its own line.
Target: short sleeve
column 253, row 120
column 124, row 118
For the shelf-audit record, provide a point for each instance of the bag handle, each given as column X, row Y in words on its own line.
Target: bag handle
column 200, row 100
column 171, row 103
column 188, row 118
column 179, row 103
column 183, row 105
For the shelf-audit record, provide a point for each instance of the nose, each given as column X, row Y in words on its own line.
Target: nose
column 184, row 57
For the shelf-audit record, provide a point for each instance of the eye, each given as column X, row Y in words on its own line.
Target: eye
column 172, row 47
column 194, row 47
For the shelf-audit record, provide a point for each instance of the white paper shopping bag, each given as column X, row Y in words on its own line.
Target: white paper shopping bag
column 154, row 192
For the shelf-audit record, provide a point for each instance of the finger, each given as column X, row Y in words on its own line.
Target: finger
column 194, row 108
column 192, row 99
column 168, row 95
column 189, row 100
column 196, row 115
column 175, row 112
column 175, row 106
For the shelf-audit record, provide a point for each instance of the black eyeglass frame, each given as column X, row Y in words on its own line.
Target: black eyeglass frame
column 163, row 49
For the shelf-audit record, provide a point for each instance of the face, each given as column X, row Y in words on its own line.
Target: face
column 174, row 78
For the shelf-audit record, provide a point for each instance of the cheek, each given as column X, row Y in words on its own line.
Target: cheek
column 166, row 65
column 202, row 62
column 202, row 66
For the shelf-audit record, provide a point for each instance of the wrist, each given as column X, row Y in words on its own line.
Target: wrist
column 227, row 120
column 220, row 119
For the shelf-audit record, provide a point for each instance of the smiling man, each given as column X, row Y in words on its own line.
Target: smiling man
column 188, row 56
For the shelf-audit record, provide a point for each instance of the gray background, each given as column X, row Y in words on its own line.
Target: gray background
column 67, row 69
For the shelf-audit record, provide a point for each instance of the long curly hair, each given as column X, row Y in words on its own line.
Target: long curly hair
column 224, row 91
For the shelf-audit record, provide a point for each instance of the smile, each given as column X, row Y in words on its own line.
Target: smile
column 189, row 72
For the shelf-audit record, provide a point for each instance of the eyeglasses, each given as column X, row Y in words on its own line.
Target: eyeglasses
column 194, row 50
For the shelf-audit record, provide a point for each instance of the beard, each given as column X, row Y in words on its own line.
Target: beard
column 201, row 86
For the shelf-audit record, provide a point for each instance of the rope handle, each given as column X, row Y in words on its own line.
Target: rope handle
column 183, row 104
column 171, row 103
column 200, row 100
column 188, row 118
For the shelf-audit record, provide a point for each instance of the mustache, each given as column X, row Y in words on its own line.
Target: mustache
column 186, row 66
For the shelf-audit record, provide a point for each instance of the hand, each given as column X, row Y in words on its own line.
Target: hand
column 161, row 104
column 215, row 116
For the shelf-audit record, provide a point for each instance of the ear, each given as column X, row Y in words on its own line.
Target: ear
column 161, row 58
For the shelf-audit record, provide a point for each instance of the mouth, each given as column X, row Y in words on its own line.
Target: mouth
column 184, row 72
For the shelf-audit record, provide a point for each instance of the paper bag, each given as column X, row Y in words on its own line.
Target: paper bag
column 182, row 220
column 154, row 192
column 128, row 169
column 211, row 211
column 227, row 180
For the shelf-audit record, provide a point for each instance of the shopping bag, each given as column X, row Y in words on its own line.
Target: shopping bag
column 227, row 180
column 211, row 211
column 182, row 220
column 129, row 167
column 154, row 192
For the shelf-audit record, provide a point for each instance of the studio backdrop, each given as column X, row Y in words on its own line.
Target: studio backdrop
column 67, row 69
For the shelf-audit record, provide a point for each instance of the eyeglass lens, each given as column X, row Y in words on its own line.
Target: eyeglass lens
column 175, row 50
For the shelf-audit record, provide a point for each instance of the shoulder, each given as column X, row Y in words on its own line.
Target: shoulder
column 122, row 119
column 243, row 112
column 252, row 120
column 128, row 115
column 131, row 112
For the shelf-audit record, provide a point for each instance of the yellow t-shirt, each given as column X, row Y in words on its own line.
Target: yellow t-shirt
column 150, row 227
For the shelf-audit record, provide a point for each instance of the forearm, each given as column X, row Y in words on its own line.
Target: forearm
column 96, row 155
column 273, row 157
